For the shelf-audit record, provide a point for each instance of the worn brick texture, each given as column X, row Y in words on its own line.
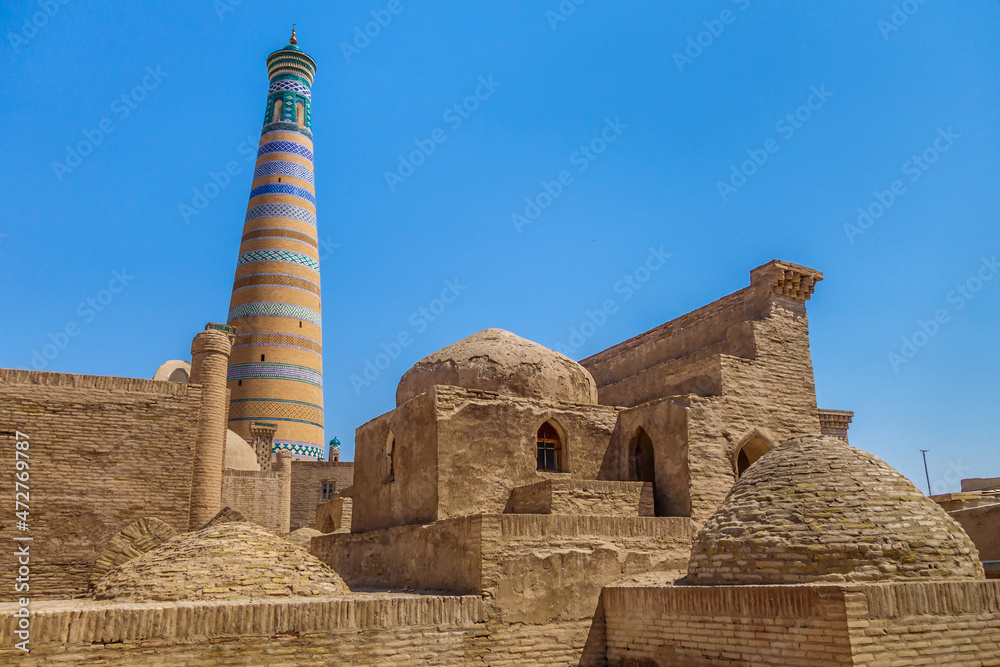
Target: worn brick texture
column 255, row 495
column 307, row 487
column 884, row 625
column 563, row 495
column 104, row 453
column 816, row 509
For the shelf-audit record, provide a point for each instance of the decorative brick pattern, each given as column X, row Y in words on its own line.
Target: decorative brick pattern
column 277, row 210
column 292, row 85
column 277, row 279
column 275, row 410
column 275, row 371
column 281, row 146
column 284, row 168
column 271, row 309
column 286, row 256
column 274, row 339
column 283, row 189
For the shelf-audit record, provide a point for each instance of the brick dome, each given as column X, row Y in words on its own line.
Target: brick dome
column 497, row 360
column 222, row 561
column 816, row 510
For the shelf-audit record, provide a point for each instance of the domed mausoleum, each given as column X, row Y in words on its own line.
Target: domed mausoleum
column 222, row 561
column 473, row 421
column 817, row 510
column 497, row 360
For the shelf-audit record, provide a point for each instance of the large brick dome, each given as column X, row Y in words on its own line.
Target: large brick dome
column 497, row 360
column 222, row 561
column 814, row 510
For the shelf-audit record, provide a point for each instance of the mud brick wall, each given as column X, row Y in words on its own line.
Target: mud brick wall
column 254, row 494
column 583, row 497
column 307, row 489
column 953, row 623
column 384, row 630
column 104, row 452
column 778, row 625
column 942, row 623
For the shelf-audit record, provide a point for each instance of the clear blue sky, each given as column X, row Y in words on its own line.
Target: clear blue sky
column 883, row 89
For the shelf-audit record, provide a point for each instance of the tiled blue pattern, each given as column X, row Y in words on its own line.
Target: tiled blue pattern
column 283, row 168
column 271, row 309
column 302, row 449
column 275, row 210
column 278, row 256
column 294, row 86
column 283, row 189
column 268, row 371
column 285, row 147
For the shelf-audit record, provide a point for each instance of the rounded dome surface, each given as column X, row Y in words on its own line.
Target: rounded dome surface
column 227, row 560
column 497, row 360
column 239, row 454
column 173, row 371
column 817, row 510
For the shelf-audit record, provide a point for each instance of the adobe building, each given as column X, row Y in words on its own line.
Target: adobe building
column 677, row 499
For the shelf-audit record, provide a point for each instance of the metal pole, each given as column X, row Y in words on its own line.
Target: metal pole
column 926, row 474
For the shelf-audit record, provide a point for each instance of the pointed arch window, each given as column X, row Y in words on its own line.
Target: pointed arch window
column 276, row 115
column 549, row 449
column 300, row 114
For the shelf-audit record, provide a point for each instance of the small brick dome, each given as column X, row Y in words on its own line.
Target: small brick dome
column 222, row 561
column 816, row 510
column 497, row 360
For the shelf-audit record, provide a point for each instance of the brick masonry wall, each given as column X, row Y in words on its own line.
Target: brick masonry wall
column 255, row 495
column 952, row 623
column 948, row 623
column 540, row 569
column 307, row 481
column 788, row 626
column 362, row 629
column 104, row 452
column 583, row 497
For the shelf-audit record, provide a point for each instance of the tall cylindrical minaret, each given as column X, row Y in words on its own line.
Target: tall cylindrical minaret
column 276, row 369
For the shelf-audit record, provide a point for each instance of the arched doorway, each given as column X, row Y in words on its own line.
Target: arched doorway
column 752, row 449
column 641, row 464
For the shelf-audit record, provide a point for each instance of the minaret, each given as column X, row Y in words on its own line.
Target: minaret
column 276, row 367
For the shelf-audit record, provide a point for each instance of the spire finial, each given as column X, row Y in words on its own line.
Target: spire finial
column 292, row 40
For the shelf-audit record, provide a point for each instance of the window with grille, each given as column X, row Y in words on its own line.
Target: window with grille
column 549, row 449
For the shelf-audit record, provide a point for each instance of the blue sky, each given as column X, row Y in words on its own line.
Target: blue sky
column 893, row 110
